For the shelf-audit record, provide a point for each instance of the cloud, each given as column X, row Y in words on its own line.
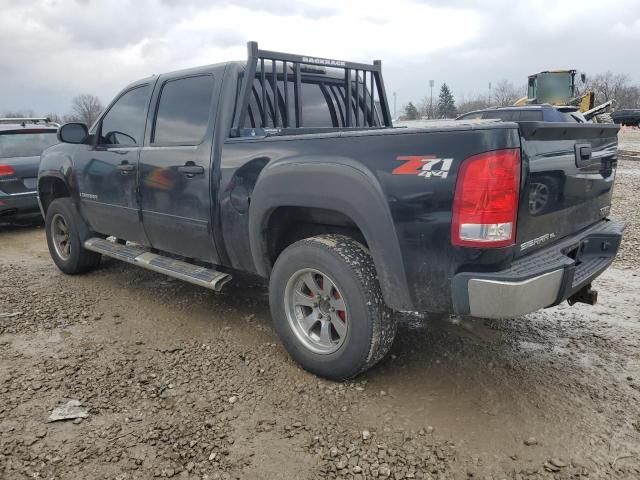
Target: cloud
column 51, row 50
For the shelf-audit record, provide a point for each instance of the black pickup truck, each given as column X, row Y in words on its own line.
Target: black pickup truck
column 289, row 167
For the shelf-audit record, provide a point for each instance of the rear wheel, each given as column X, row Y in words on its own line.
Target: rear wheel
column 327, row 307
column 66, row 233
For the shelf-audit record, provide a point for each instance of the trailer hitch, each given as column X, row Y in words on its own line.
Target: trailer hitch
column 585, row 295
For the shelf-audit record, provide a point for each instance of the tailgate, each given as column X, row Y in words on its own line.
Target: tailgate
column 570, row 171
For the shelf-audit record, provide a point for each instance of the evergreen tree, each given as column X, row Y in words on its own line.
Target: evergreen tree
column 446, row 103
column 411, row 112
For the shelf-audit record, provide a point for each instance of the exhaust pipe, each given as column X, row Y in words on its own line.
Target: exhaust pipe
column 585, row 295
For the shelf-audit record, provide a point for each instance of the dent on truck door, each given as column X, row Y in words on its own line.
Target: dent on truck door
column 175, row 167
column 107, row 173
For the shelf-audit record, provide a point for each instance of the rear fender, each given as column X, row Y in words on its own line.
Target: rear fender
column 338, row 184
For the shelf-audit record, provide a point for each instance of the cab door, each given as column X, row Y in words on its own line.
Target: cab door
column 107, row 171
column 175, row 164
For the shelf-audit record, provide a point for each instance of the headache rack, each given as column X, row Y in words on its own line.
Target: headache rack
column 373, row 114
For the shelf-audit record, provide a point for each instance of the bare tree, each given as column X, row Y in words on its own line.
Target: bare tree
column 628, row 97
column 612, row 86
column 85, row 108
column 473, row 102
column 607, row 85
column 54, row 117
column 428, row 108
column 504, row 93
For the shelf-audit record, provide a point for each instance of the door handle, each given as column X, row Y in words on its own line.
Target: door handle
column 191, row 169
column 126, row 168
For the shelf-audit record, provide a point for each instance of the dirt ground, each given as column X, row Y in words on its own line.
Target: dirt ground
column 182, row 382
column 629, row 140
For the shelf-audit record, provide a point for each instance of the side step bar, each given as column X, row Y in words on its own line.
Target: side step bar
column 142, row 257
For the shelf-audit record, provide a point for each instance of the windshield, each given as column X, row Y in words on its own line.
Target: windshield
column 27, row 144
column 554, row 87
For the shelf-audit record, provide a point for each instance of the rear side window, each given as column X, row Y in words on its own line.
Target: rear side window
column 123, row 124
column 183, row 111
column 505, row 115
column 27, row 144
column 530, row 116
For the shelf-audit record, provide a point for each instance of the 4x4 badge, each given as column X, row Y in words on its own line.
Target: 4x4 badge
column 423, row 166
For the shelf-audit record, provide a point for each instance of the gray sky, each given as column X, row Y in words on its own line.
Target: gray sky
column 52, row 50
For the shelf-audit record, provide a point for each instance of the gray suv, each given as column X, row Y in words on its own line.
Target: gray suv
column 22, row 141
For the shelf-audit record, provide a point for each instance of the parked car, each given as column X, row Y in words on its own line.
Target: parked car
column 22, row 140
column 527, row 113
column 630, row 116
column 288, row 167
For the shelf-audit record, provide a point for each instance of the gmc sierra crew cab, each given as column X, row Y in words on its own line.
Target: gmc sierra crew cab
column 288, row 167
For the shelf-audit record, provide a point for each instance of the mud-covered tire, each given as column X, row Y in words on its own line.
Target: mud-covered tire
column 371, row 324
column 77, row 258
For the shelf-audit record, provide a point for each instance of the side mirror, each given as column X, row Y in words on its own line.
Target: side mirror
column 73, row 133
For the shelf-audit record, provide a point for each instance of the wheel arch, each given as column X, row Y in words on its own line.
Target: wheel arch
column 53, row 179
column 345, row 189
column 49, row 189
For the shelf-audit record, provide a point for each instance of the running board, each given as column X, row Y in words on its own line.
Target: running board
column 137, row 255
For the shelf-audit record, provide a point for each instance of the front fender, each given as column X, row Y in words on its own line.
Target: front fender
column 55, row 163
column 338, row 184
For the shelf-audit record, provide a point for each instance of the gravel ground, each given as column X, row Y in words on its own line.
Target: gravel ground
column 178, row 381
column 626, row 205
column 629, row 140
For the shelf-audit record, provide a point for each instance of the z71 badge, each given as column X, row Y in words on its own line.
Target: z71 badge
column 423, row 166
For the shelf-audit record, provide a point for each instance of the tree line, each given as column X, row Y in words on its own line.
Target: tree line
column 85, row 108
column 606, row 86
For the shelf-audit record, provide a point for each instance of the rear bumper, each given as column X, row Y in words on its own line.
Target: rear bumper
column 18, row 206
column 542, row 279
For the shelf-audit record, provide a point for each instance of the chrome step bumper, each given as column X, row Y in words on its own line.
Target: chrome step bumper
column 539, row 280
column 142, row 257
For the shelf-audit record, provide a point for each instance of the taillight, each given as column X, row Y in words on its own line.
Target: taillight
column 486, row 200
column 6, row 170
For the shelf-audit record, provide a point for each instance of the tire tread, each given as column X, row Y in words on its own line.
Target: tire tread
column 358, row 260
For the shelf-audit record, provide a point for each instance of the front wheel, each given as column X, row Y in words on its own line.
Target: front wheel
column 66, row 233
column 327, row 306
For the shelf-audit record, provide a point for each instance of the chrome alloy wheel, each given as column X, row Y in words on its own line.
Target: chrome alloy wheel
column 60, row 236
column 316, row 311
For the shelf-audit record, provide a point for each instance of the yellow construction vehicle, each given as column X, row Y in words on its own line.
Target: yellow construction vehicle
column 556, row 87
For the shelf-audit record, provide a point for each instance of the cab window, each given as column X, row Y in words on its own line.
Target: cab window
column 123, row 124
column 530, row 116
column 183, row 111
